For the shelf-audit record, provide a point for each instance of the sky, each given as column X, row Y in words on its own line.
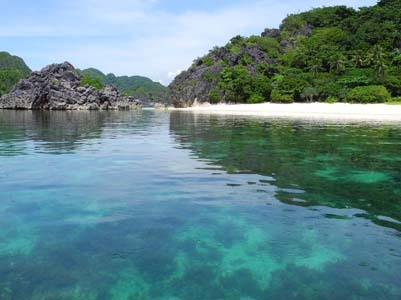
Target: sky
column 152, row 38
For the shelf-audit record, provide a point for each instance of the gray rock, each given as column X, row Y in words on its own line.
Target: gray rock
column 273, row 33
column 93, row 106
column 57, row 87
column 201, row 79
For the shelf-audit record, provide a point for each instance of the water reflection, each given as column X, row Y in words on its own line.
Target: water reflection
column 312, row 164
column 59, row 132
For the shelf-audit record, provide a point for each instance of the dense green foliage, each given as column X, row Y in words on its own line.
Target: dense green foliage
column 137, row 86
column 8, row 78
column 368, row 94
column 96, row 82
column 12, row 69
column 325, row 54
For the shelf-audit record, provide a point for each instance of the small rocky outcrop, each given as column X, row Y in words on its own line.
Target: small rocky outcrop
column 58, row 87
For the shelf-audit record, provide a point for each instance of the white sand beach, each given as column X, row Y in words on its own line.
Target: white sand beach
column 336, row 111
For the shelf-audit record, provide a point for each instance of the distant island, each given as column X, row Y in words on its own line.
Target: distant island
column 13, row 69
column 329, row 54
column 139, row 87
column 62, row 87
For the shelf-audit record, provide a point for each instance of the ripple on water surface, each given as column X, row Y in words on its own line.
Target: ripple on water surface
column 146, row 205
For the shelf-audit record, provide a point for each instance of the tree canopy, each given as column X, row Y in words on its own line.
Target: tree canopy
column 12, row 69
column 318, row 55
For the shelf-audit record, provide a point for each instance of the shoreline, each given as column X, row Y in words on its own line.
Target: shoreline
column 314, row 111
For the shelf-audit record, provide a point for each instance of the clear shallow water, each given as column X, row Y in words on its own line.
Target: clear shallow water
column 149, row 205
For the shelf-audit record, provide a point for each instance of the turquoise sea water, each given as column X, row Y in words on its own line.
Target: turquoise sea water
column 156, row 205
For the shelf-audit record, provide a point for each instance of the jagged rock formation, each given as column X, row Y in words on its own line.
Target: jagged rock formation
column 58, row 87
column 199, row 81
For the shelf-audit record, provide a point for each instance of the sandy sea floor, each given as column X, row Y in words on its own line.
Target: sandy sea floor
column 336, row 111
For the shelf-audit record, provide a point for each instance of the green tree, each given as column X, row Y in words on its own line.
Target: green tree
column 368, row 94
column 279, row 97
column 396, row 57
column 94, row 82
column 236, row 83
column 309, row 93
column 214, row 96
column 8, row 78
column 315, row 66
column 377, row 59
column 358, row 59
column 261, row 86
column 337, row 63
column 255, row 98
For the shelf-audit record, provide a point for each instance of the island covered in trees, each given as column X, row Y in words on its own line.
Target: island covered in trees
column 12, row 69
column 328, row 54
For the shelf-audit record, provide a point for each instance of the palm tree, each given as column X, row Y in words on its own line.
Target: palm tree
column 337, row 63
column 396, row 57
column 377, row 59
column 316, row 66
column 358, row 59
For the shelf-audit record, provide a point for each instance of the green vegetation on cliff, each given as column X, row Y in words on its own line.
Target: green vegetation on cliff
column 325, row 54
column 96, row 82
column 12, row 69
column 137, row 86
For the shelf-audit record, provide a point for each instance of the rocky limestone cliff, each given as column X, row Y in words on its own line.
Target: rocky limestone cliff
column 58, row 87
column 198, row 82
column 189, row 87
